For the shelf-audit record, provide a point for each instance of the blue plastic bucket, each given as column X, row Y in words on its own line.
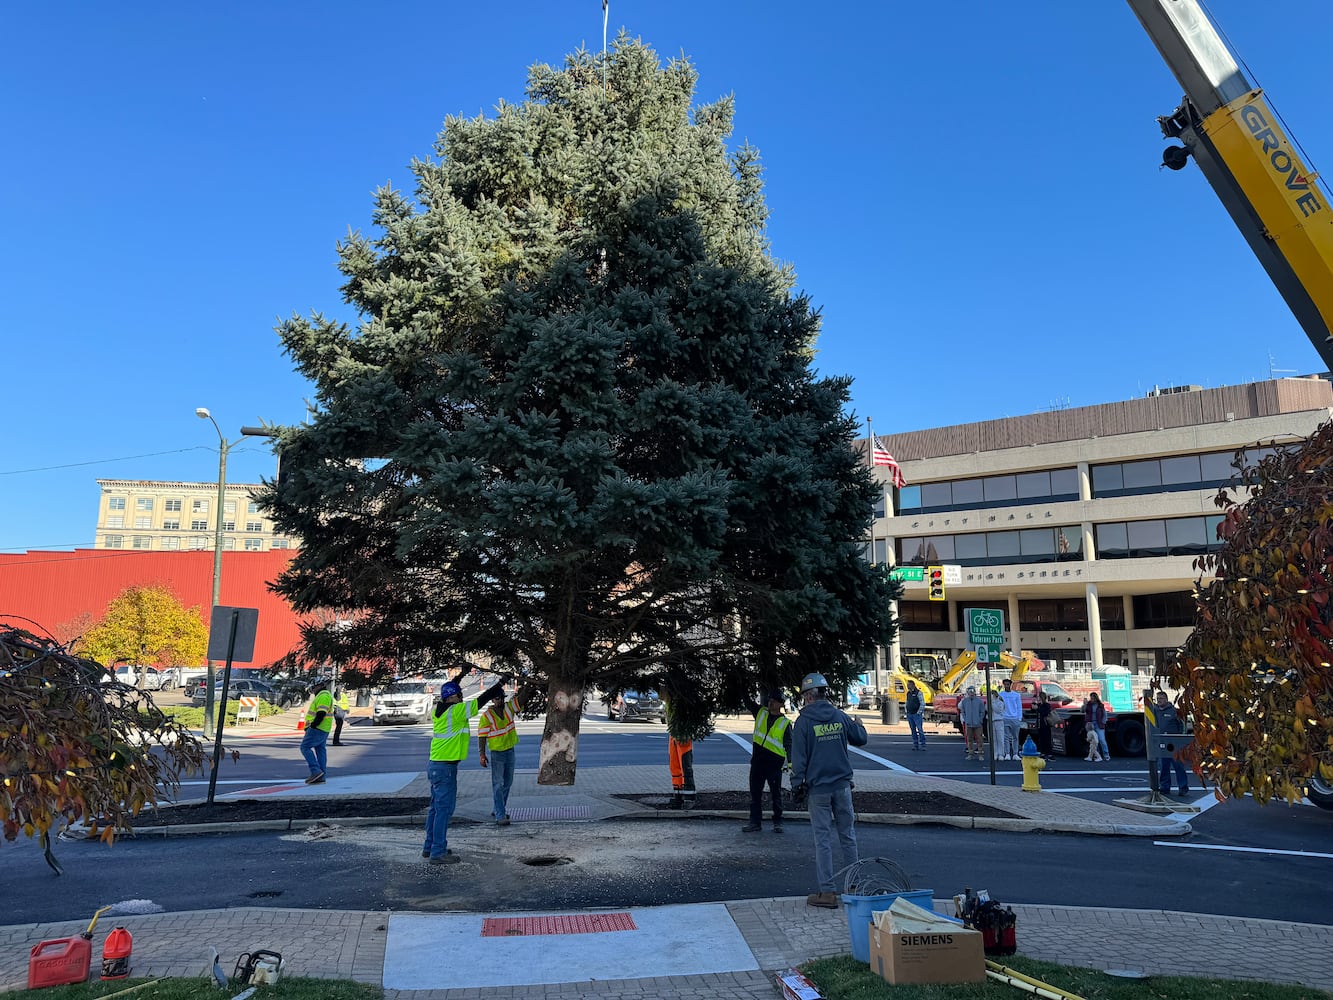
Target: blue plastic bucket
column 861, row 914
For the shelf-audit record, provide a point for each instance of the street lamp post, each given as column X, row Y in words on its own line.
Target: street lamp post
column 224, row 446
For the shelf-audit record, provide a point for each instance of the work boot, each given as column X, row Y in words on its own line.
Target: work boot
column 751, row 828
column 677, row 802
column 824, row 900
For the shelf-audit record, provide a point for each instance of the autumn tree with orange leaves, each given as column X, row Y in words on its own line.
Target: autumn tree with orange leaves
column 77, row 748
column 1255, row 674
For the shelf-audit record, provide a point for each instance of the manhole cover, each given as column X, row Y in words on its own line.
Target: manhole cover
column 546, row 860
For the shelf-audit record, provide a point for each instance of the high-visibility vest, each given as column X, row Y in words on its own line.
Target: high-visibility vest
column 322, row 702
column 450, row 733
column 342, row 701
column 770, row 739
column 500, row 731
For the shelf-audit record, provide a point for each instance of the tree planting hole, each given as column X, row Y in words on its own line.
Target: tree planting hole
column 547, row 860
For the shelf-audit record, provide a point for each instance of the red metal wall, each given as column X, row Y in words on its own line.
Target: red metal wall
column 55, row 588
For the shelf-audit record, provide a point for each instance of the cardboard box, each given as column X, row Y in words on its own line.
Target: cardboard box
column 796, row 987
column 952, row 955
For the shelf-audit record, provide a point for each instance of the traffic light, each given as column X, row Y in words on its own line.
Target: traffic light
column 935, row 579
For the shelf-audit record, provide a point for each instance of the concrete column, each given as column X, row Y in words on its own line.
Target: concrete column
column 1131, row 651
column 1084, row 482
column 1089, row 552
column 1094, row 626
column 1013, row 622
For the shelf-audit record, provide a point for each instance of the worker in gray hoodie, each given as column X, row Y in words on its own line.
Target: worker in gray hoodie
column 822, row 776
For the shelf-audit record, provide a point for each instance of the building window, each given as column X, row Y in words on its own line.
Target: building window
column 228, row 525
column 199, row 506
column 1164, row 610
column 171, row 525
column 228, row 544
column 143, row 542
column 198, row 525
column 1054, row 615
column 923, row 616
column 280, row 543
column 254, row 525
column 115, row 503
column 1176, row 536
column 198, row 541
column 1112, row 613
column 171, row 543
column 143, row 522
column 1178, row 472
column 229, row 507
column 254, row 545
column 113, row 541
column 172, row 506
column 143, row 503
column 115, row 521
column 990, row 491
column 253, row 508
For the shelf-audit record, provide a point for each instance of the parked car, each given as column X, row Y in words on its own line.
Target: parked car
column 403, row 701
column 637, row 706
column 123, row 674
column 244, row 686
column 161, row 678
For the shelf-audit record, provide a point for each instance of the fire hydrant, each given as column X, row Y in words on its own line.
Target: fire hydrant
column 1033, row 765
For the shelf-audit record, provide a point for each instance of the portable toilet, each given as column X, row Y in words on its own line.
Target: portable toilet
column 1116, row 688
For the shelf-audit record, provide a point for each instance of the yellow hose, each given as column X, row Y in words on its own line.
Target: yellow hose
column 1016, row 979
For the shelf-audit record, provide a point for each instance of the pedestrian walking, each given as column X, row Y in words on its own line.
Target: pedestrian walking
column 448, row 748
column 1013, row 719
column 318, row 723
column 972, row 715
column 822, row 775
column 340, row 707
column 1168, row 721
column 1094, row 724
column 916, row 720
column 1044, row 743
column 497, row 743
column 769, row 752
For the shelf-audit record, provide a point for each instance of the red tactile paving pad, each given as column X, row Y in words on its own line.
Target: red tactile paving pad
column 573, row 923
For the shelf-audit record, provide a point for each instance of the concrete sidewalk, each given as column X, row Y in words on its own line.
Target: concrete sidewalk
column 737, row 948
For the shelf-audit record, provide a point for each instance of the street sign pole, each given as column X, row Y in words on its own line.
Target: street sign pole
column 990, row 723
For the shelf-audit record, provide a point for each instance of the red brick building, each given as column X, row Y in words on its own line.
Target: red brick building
column 65, row 592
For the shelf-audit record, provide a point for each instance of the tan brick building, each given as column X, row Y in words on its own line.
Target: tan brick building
column 164, row 516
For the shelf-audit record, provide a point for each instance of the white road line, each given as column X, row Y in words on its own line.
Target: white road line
column 245, row 781
column 1244, row 850
column 1000, row 769
column 745, row 741
column 882, row 761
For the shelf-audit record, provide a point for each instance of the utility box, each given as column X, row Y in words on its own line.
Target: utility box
column 1115, row 685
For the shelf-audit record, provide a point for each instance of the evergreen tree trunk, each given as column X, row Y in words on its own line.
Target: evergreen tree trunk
column 559, row 755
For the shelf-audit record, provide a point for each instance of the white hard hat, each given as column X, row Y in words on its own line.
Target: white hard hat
column 811, row 682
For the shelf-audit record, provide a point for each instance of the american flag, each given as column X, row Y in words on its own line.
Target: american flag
column 879, row 455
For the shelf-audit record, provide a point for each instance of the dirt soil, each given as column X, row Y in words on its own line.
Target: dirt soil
column 333, row 807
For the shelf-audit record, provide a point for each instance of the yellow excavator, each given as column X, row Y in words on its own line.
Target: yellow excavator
column 933, row 675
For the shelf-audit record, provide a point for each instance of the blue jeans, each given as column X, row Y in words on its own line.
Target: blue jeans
column 443, row 776
column 916, row 722
column 314, row 748
column 502, row 778
column 830, row 812
column 1101, row 743
column 1164, row 777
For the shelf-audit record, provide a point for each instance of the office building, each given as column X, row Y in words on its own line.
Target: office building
column 163, row 516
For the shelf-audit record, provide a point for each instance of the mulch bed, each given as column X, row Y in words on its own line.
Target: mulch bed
column 333, row 807
column 889, row 803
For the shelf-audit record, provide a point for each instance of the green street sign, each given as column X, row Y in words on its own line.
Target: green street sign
column 908, row 574
column 985, row 627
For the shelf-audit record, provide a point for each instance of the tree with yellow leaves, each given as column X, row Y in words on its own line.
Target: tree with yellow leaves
column 147, row 626
column 1255, row 674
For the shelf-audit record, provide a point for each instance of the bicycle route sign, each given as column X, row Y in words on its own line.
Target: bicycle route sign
column 985, row 627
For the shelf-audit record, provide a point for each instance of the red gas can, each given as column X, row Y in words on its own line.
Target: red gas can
column 59, row 962
column 116, row 954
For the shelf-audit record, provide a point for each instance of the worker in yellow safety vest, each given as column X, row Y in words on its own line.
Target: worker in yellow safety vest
column 498, row 734
column 318, row 722
column 448, row 747
column 769, row 753
column 340, row 707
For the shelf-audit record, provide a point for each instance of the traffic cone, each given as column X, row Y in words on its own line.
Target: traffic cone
column 300, row 724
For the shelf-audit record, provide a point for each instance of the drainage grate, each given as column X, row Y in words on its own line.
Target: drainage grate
column 551, row 812
column 576, row 923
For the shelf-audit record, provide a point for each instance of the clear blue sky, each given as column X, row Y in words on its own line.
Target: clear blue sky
column 970, row 192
